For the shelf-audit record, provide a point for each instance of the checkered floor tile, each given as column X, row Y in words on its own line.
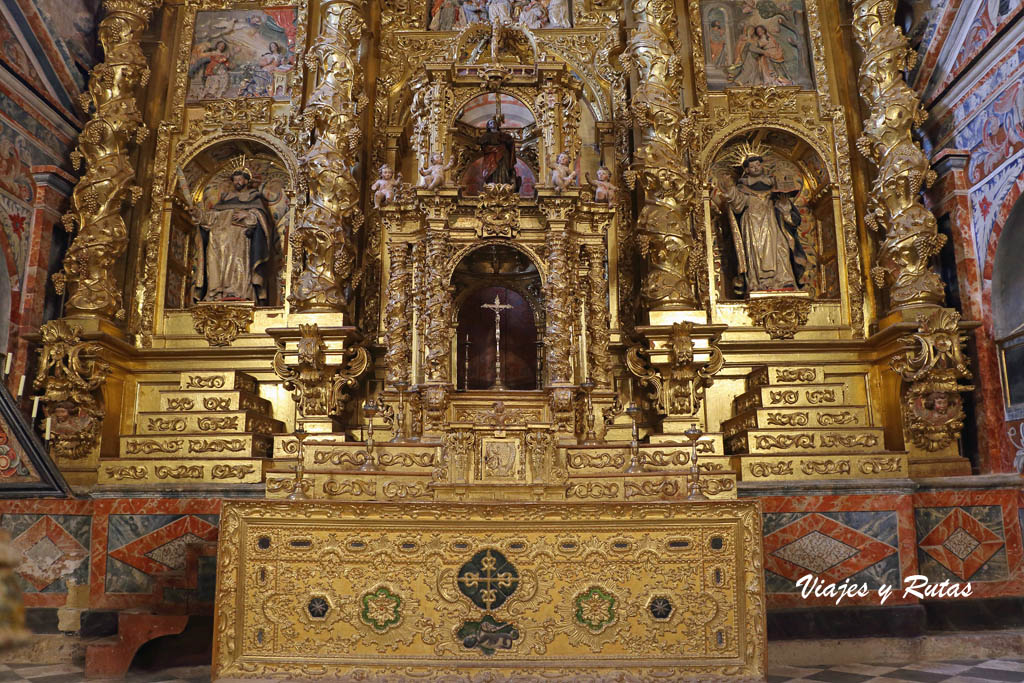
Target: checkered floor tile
column 983, row 671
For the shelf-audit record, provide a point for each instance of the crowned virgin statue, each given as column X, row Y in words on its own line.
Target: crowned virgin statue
column 764, row 222
column 233, row 244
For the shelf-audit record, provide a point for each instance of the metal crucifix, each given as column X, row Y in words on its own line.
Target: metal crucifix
column 497, row 307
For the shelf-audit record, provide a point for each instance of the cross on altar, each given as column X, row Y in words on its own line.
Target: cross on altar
column 497, row 307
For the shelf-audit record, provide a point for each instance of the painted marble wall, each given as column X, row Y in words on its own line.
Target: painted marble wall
column 46, row 50
column 971, row 79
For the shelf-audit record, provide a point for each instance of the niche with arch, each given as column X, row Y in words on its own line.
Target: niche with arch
column 799, row 178
column 497, row 272
column 247, row 219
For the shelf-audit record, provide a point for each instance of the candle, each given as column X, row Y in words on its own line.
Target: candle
column 35, row 406
column 7, row 365
column 48, row 420
column 21, row 386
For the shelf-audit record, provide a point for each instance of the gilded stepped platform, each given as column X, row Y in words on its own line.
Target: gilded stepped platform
column 797, row 423
column 214, row 428
column 413, row 591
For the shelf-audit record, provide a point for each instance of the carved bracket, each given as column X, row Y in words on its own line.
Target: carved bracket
column 221, row 324
column 320, row 389
column 779, row 316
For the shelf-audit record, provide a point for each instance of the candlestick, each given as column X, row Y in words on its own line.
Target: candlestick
column 48, row 421
column 35, row 406
column 7, row 364
column 21, row 386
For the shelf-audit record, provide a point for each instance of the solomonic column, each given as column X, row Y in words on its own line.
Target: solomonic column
column 558, row 333
column 327, row 233
column 910, row 235
column 90, row 267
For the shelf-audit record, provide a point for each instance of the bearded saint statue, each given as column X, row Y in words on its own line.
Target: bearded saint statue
column 233, row 244
column 764, row 222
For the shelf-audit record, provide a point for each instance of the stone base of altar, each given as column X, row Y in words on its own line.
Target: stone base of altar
column 618, row 591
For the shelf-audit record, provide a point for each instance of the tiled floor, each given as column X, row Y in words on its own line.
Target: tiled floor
column 985, row 671
column 923, row 672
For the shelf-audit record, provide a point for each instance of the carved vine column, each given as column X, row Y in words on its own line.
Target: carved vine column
column 434, row 393
column 665, row 233
column 398, row 333
column 597, row 318
column 559, row 308
column 325, row 238
column 90, row 270
column 911, row 237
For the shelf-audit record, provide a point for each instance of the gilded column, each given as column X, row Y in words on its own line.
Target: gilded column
column 398, row 334
column 911, row 237
column 665, row 226
column 597, row 318
column 438, row 310
column 324, row 241
column 90, row 270
column 559, row 309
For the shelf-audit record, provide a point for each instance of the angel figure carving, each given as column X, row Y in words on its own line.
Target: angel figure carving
column 385, row 187
column 562, row 176
column 433, row 174
column 604, row 189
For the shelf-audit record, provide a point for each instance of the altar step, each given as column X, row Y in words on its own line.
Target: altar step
column 213, row 429
column 796, row 423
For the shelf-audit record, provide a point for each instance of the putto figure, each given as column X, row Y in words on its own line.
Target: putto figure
column 562, row 175
column 385, row 187
column 764, row 224
column 604, row 190
column 433, row 175
column 233, row 243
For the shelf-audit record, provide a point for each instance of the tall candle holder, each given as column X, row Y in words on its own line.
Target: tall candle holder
column 693, row 434
column 591, row 436
column 300, row 483
column 370, row 410
column 400, row 432
column 635, row 463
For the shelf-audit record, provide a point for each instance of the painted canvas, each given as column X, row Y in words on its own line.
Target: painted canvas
column 756, row 42
column 452, row 15
column 242, row 53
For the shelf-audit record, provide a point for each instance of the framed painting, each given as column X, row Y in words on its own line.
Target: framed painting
column 756, row 43
column 239, row 53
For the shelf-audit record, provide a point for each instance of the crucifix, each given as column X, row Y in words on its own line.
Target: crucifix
column 497, row 307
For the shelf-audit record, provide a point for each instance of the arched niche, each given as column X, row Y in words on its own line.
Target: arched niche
column 1008, row 309
column 499, row 273
column 208, row 182
column 800, row 177
column 517, row 120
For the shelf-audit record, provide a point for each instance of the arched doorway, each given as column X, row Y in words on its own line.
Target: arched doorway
column 1008, row 310
column 497, row 290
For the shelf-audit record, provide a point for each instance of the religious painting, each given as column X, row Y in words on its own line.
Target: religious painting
column 242, row 53
column 775, row 225
column 756, row 43
column 498, row 138
column 453, row 15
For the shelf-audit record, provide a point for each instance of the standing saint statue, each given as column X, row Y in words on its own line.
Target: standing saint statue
column 233, row 244
column 764, row 224
column 496, row 164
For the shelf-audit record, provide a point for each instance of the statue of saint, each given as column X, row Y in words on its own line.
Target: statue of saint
column 496, row 163
column 764, row 224
column 233, row 244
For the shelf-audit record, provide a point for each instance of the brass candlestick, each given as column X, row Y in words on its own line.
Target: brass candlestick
column 370, row 411
column 693, row 434
column 299, row 484
column 591, row 437
column 400, row 432
column 635, row 464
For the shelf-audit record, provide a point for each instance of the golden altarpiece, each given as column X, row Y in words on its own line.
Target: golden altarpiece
column 498, row 302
